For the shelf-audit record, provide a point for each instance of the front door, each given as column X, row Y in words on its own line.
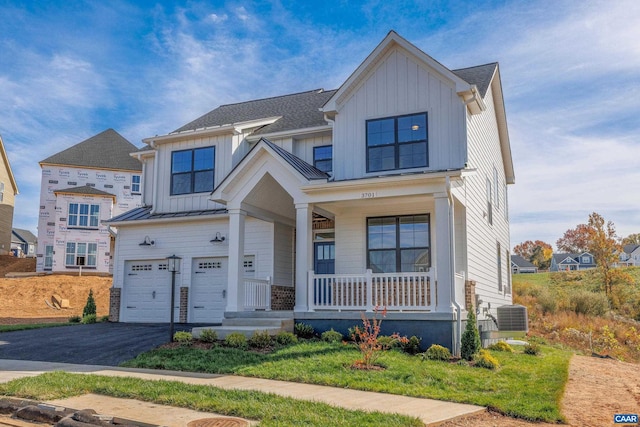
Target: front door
column 325, row 258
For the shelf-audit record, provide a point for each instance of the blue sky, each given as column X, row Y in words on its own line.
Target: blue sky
column 570, row 73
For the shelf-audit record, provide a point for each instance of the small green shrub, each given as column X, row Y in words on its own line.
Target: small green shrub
column 302, row 330
column 183, row 337
column 236, row 340
column 260, row 339
column 547, row 302
column 208, row 336
column 387, row 342
column 501, row 346
column 286, row 338
column 588, row 303
column 412, row 346
column 485, row 360
column 532, row 349
column 88, row 319
column 104, row 318
column 437, row 352
column 331, row 336
column 90, row 306
column 75, row 319
column 470, row 341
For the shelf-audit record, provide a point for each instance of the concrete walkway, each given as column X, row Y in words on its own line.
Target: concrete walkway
column 428, row 410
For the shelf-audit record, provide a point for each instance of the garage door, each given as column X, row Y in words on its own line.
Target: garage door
column 147, row 290
column 208, row 289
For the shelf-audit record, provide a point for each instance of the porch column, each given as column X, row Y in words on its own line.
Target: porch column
column 444, row 263
column 304, row 253
column 235, row 274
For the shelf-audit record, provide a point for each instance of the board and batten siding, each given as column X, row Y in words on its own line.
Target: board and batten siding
column 485, row 155
column 400, row 84
column 191, row 202
column 147, row 181
column 283, row 255
column 303, row 147
column 190, row 240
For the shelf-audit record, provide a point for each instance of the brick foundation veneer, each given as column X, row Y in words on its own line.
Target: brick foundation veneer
column 184, row 304
column 114, row 304
column 282, row 297
column 470, row 294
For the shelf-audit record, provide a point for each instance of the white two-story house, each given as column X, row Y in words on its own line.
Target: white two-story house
column 82, row 186
column 390, row 191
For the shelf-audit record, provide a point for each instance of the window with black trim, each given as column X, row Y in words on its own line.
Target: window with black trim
column 499, row 259
column 83, row 215
column 398, row 243
column 323, row 158
column 192, row 171
column 135, row 183
column 397, row 143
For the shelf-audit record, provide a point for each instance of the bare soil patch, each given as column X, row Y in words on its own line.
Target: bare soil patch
column 9, row 264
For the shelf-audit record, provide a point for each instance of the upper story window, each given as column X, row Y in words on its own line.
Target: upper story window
column 1, row 191
column 586, row 259
column 397, row 143
column 323, row 158
column 192, row 170
column 496, row 188
column 489, row 203
column 83, row 215
column 396, row 244
column 135, row 183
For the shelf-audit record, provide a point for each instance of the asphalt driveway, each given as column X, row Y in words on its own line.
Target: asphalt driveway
column 106, row 344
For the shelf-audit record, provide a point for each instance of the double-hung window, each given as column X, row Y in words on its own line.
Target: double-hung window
column 323, row 158
column 81, row 253
column 192, row 171
column 397, row 143
column 397, row 244
column 135, row 183
column 83, row 215
column 1, row 191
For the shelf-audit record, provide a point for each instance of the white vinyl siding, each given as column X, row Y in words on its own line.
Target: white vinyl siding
column 399, row 85
column 283, row 255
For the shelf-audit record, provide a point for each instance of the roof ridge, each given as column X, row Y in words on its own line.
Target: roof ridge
column 476, row 66
column 319, row 90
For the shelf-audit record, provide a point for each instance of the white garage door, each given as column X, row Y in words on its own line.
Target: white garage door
column 147, row 290
column 208, row 290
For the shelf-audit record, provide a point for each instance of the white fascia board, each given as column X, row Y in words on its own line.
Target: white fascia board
column 58, row 165
column 146, row 154
column 503, row 131
column 392, row 39
column 290, row 133
column 152, row 221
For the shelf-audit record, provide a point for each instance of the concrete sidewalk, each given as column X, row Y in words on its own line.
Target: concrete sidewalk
column 428, row 410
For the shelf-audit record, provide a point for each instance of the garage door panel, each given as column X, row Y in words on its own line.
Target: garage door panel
column 208, row 289
column 147, row 291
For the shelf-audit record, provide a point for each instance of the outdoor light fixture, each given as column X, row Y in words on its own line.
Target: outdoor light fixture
column 173, row 265
column 218, row 239
column 148, row 242
column 415, row 127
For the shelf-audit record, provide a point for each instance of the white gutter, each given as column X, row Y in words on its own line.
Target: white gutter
column 456, row 349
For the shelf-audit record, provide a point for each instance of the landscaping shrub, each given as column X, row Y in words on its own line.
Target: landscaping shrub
column 286, row 338
column 485, row 360
column 89, row 318
column 547, row 302
column 367, row 340
column 236, row 340
column 532, row 349
column 588, row 303
column 183, row 337
column 470, row 341
column 501, row 346
column 388, row 342
column 208, row 336
column 412, row 346
column 437, row 352
column 260, row 339
column 75, row 319
column 90, row 306
column 104, row 318
column 302, row 330
column 331, row 336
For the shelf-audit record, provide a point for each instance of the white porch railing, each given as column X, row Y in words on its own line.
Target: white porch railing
column 395, row 291
column 257, row 294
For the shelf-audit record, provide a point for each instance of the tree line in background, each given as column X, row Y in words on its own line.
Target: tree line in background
column 597, row 237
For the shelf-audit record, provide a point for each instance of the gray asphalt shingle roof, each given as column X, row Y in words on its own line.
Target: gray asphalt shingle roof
column 521, row 262
column 106, row 150
column 85, row 189
column 298, row 111
column 24, row 235
column 480, row 75
column 629, row 248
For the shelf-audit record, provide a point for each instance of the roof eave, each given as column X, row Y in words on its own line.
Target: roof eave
column 8, row 166
column 290, row 133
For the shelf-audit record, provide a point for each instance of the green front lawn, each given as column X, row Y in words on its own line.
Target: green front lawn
column 25, row 326
column 269, row 409
column 525, row 386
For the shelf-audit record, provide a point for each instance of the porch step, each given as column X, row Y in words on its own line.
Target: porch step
column 247, row 326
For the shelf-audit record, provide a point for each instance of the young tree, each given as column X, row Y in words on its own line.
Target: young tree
column 90, row 307
column 470, row 341
column 539, row 253
column 604, row 246
column 632, row 239
column 575, row 240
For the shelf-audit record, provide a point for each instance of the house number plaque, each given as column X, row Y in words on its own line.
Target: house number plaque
column 369, row 195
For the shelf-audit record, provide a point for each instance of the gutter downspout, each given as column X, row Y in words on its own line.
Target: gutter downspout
column 154, row 192
column 456, row 349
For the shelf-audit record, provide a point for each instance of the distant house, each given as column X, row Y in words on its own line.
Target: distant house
column 630, row 255
column 8, row 192
column 23, row 243
column 82, row 186
column 571, row 262
column 520, row 265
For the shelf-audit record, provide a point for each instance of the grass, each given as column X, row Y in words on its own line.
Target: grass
column 524, row 387
column 269, row 409
column 26, row 326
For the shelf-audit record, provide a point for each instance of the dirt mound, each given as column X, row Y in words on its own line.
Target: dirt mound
column 10, row 264
column 24, row 298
